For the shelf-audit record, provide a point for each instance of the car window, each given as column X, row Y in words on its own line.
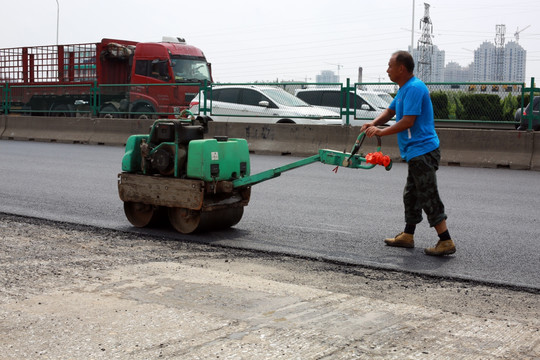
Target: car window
column 356, row 101
column 214, row 94
column 386, row 97
column 282, row 97
column 331, row 99
column 536, row 104
column 375, row 100
column 228, row 95
column 251, row 97
column 311, row 97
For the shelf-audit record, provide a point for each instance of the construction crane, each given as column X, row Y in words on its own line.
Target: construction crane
column 516, row 34
column 339, row 66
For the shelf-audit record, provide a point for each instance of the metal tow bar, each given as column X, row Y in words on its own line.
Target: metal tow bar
column 325, row 156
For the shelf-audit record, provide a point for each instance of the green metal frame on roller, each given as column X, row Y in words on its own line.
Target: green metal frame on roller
column 330, row 157
column 165, row 144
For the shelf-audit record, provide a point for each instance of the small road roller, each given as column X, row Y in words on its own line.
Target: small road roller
column 202, row 184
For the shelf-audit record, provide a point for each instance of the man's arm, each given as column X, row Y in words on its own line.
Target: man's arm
column 383, row 118
column 405, row 123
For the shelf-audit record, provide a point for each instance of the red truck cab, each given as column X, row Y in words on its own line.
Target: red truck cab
column 172, row 62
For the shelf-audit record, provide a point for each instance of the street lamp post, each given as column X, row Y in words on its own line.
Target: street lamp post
column 412, row 28
column 57, row 20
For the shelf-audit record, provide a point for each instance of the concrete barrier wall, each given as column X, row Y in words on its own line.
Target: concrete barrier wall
column 72, row 130
column 535, row 159
column 487, row 148
column 37, row 128
column 463, row 147
column 459, row 147
column 117, row 131
column 3, row 119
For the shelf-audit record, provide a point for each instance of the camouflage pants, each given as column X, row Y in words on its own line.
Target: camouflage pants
column 421, row 192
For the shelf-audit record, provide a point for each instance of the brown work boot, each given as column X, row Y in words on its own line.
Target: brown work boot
column 443, row 247
column 401, row 240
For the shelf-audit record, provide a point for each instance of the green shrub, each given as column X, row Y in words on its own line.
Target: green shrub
column 483, row 107
column 509, row 104
column 439, row 100
column 455, row 108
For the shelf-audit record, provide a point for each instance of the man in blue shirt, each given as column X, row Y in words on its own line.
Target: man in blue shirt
column 419, row 147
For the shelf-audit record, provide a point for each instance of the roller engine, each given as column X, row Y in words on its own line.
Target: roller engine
column 167, row 146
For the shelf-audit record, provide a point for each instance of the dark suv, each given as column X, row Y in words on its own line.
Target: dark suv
column 524, row 122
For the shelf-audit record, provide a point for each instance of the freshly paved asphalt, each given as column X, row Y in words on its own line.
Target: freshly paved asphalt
column 494, row 216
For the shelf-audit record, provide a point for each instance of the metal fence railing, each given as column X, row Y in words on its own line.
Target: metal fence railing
column 48, row 100
column 90, row 99
column 351, row 103
column 486, row 103
column 468, row 102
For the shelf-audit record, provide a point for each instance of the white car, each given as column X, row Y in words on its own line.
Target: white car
column 386, row 97
column 261, row 104
column 367, row 104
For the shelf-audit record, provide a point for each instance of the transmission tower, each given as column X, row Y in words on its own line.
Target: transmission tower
column 425, row 46
column 499, row 52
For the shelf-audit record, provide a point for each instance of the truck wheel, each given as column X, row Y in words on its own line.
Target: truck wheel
column 144, row 109
column 62, row 110
column 108, row 112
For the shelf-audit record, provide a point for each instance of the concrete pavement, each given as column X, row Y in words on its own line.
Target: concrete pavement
column 73, row 292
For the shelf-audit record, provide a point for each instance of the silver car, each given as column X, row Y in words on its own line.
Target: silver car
column 261, row 104
column 368, row 104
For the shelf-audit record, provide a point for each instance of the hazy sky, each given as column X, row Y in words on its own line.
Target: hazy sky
column 248, row 40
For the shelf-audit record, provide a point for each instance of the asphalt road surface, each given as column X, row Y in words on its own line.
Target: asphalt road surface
column 310, row 211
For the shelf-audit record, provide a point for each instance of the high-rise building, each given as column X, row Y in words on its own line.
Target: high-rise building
column 515, row 59
column 453, row 72
column 327, row 76
column 485, row 62
column 437, row 64
column 487, row 65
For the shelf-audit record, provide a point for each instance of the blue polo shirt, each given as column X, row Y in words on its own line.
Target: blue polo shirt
column 413, row 99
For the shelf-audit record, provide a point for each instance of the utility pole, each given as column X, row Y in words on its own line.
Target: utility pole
column 57, row 20
column 425, row 46
column 499, row 52
column 412, row 28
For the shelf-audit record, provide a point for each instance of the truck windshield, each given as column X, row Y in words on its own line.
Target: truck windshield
column 187, row 70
